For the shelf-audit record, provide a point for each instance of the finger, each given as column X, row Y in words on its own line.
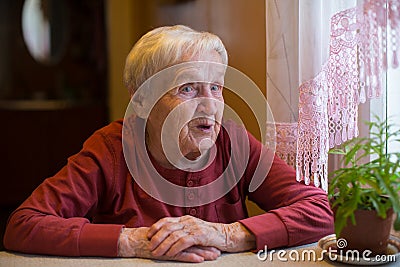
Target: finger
column 205, row 252
column 180, row 237
column 187, row 218
column 160, row 223
column 163, row 233
column 188, row 257
column 182, row 244
column 196, row 236
column 212, row 249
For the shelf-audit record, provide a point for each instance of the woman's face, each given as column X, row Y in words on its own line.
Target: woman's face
column 189, row 115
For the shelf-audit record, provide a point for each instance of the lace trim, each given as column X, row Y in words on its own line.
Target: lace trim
column 328, row 104
column 283, row 136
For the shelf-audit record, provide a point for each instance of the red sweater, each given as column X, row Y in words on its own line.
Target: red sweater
column 81, row 210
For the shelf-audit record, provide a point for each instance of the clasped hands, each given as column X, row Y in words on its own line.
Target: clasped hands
column 184, row 238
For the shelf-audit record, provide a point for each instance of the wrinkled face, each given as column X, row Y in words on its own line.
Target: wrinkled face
column 189, row 115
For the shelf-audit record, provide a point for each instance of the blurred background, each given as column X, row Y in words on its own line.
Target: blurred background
column 61, row 64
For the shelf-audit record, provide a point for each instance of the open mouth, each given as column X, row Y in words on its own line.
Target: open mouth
column 203, row 124
column 204, row 127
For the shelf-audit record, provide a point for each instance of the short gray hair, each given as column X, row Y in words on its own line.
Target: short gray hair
column 166, row 46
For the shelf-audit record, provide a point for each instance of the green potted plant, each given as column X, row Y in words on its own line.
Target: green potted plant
column 366, row 189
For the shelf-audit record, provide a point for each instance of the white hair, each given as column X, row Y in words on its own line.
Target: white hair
column 164, row 47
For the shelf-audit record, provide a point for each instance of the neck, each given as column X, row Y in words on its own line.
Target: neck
column 197, row 160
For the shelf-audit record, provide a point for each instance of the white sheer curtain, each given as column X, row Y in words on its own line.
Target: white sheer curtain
column 297, row 48
column 392, row 103
column 324, row 58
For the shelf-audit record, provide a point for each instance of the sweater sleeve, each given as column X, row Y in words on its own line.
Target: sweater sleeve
column 296, row 213
column 55, row 219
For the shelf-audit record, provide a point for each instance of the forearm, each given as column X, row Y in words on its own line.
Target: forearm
column 36, row 233
column 133, row 243
column 295, row 213
column 299, row 223
column 237, row 238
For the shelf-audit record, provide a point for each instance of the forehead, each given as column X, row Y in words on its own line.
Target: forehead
column 201, row 67
column 201, row 72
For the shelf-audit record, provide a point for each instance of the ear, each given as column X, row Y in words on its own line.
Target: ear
column 139, row 106
column 143, row 100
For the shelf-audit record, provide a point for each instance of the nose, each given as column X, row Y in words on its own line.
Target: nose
column 207, row 103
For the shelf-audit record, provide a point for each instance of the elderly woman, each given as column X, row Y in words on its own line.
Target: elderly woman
column 107, row 202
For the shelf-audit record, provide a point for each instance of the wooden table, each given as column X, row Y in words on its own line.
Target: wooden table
column 289, row 256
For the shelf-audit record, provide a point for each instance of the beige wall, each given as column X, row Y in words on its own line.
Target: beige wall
column 125, row 25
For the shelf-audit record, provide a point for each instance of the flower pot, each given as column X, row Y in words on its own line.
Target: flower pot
column 370, row 232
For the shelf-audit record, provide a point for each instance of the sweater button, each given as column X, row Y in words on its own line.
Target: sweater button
column 190, row 196
column 189, row 183
column 193, row 212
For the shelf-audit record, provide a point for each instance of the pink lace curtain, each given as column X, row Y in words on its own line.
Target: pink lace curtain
column 283, row 136
column 364, row 42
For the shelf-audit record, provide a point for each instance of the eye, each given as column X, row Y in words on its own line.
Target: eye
column 215, row 87
column 187, row 89
column 216, row 90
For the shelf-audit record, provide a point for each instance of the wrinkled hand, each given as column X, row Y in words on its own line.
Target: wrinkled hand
column 133, row 242
column 171, row 236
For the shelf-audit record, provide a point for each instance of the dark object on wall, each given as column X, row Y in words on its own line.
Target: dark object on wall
column 75, row 69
